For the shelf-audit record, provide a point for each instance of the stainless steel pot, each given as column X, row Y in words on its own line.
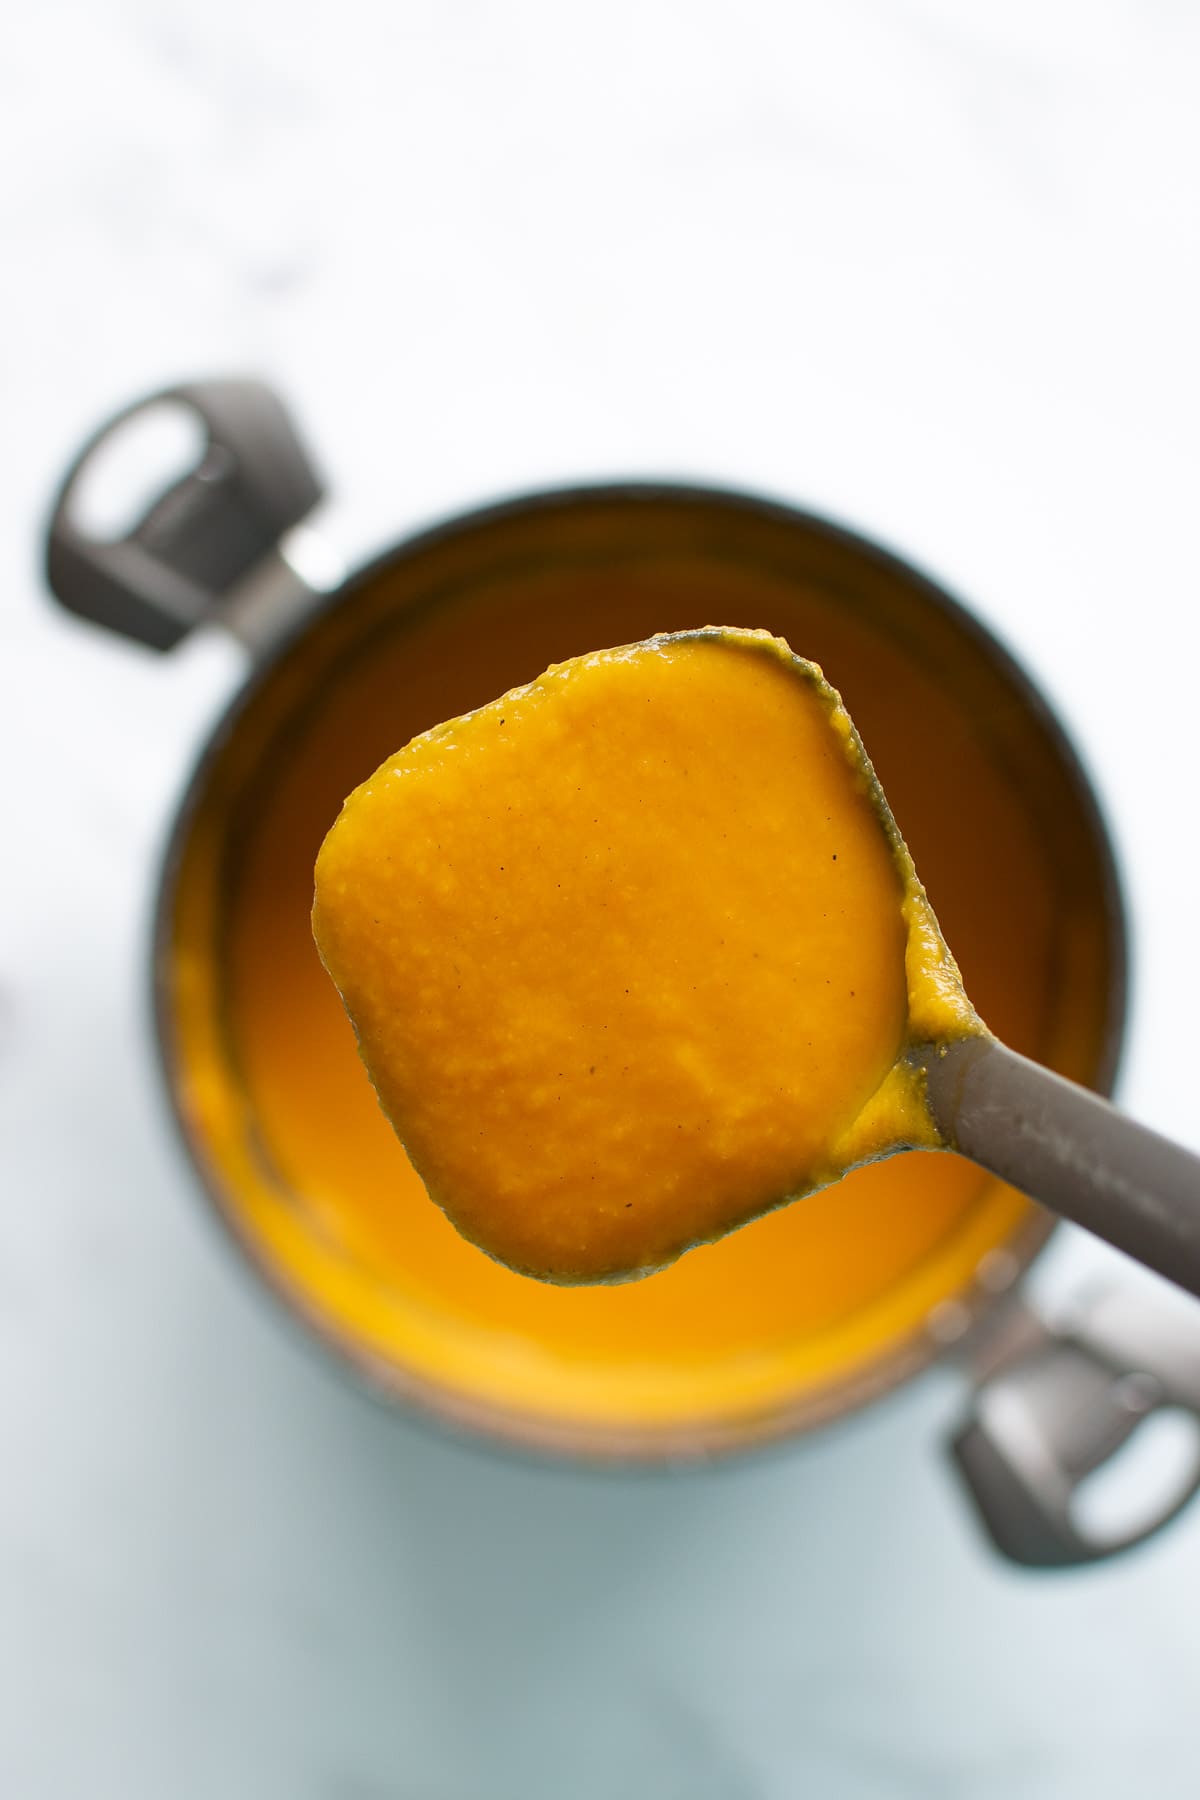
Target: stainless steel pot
column 1048, row 1407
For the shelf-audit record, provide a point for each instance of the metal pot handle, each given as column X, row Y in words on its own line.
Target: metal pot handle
column 1055, row 1406
column 204, row 535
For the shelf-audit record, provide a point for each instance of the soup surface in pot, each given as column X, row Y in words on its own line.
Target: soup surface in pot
column 799, row 1313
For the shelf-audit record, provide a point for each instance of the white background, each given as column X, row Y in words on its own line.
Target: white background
column 934, row 267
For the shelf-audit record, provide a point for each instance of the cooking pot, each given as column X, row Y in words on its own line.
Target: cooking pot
column 1004, row 826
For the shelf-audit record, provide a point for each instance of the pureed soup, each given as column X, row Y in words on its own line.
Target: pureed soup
column 794, row 1316
column 635, row 953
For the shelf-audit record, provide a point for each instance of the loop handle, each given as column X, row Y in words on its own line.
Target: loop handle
column 204, row 534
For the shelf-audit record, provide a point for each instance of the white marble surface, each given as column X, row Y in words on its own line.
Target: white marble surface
column 933, row 266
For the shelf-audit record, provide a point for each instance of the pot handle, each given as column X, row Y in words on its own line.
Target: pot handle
column 204, row 534
column 1057, row 1408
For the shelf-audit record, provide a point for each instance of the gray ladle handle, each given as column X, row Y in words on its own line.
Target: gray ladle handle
column 1072, row 1151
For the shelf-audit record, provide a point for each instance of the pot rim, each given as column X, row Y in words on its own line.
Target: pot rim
column 590, row 1442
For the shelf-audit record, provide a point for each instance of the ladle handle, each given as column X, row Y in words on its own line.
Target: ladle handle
column 1072, row 1151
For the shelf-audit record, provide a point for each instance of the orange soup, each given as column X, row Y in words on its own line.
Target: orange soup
column 636, row 953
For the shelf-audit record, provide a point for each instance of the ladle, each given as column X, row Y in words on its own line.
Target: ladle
column 618, row 994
